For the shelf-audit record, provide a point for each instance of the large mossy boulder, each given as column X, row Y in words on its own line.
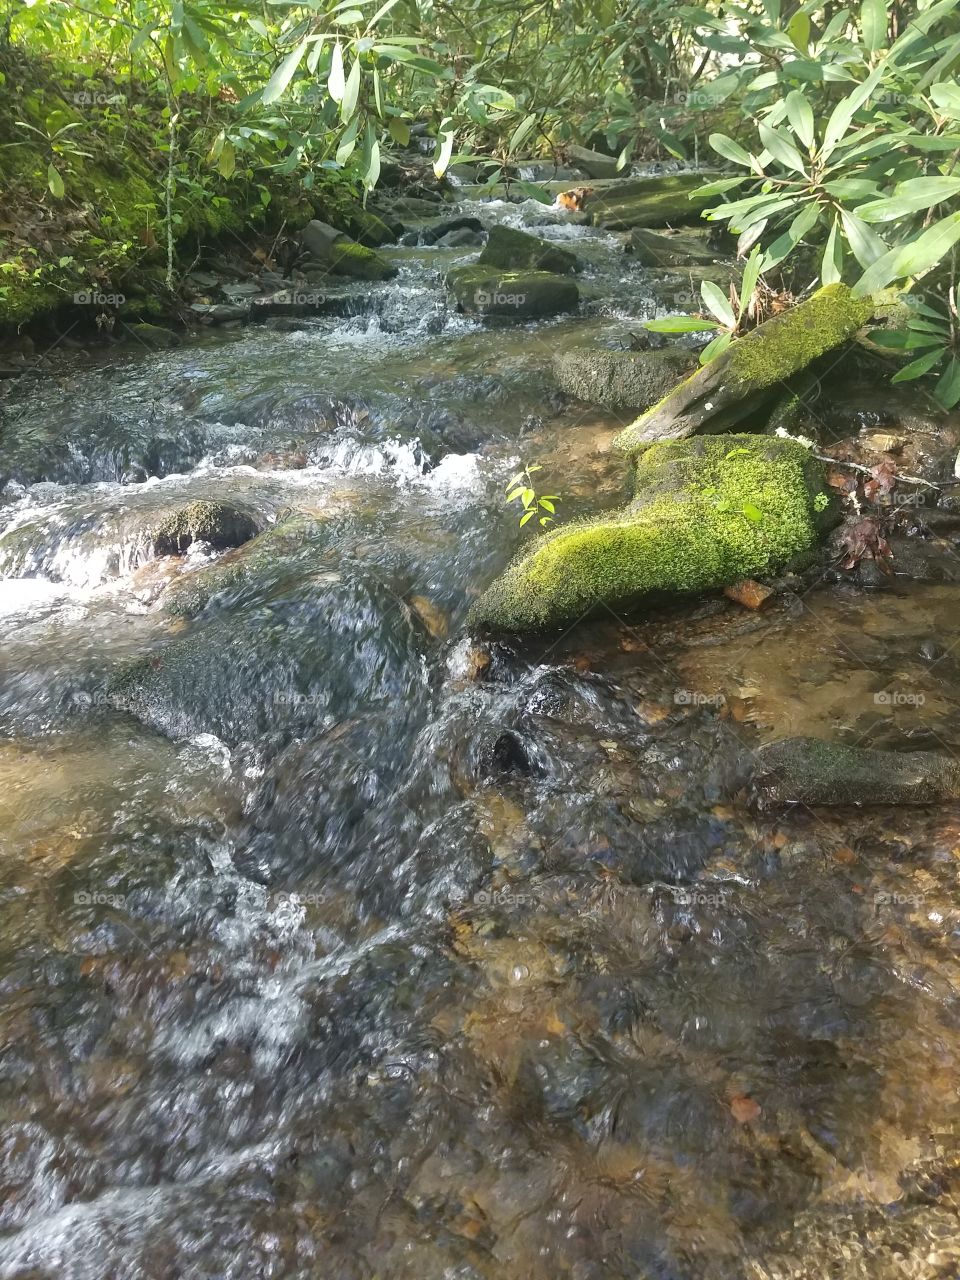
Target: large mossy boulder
column 519, row 295
column 219, row 524
column 811, row 771
column 724, row 392
column 650, row 202
column 621, row 379
column 706, row 513
column 517, row 251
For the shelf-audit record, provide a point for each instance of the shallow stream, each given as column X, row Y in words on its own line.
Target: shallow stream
column 364, row 951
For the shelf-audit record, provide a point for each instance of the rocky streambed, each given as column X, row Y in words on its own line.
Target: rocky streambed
column 386, row 896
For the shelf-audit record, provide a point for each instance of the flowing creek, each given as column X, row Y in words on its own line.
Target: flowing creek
column 366, row 952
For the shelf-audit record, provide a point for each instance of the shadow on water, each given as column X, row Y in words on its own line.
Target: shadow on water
column 337, row 944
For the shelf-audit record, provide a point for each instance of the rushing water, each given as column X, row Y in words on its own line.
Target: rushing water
column 362, row 951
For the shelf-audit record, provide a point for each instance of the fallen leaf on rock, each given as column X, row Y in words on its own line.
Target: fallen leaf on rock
column 750, row 593
column 743, row 1109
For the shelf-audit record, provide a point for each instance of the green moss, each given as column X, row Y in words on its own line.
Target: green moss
column 707, row 512
column 360, row 263
column 795, row 339
column 218, row 523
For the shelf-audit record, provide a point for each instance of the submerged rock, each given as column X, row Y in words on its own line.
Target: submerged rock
column 655, row 249
column 155, row 336
column 220, row 524
column 812, row 771
column 516, row 251
column 621, row 379
column 521, row 295
column 726, row 390
column 707, row 512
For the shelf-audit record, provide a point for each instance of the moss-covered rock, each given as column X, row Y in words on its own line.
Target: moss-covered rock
column 517, row 251
column 706, row 513
column 726, row 390
column 621, row 379
column 359, row 262
column 220, row 524
column 814, row 772
column 649, row 202
column 655, row 249
column 520, row 295
column 369, row 229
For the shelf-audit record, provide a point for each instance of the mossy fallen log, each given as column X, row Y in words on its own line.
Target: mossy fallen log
column 723, row 392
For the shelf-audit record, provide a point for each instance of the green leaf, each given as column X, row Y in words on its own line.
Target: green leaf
column 276, row 85
column 335, row 81
column 444, row 148
column 55, row 182
column 873, row 24
column 370, row 167
column 348, row 141
column 909, row 197
column 228, row 160
column 521, row 131
column 351, row 92
column 715, row 348
column 753, row 514
column 831, row 268
column 798, row 29
column 800, row 115
column 730, row 150
column 717, row 304
column 548, row 505
column 947, row 390
column 399, row 131
column 529, row 516
column 863, row 240
column 947, row 98
column 781, row 148
column 917, row 368
column 911, row 259
column 679, row 324
column 751, row 274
